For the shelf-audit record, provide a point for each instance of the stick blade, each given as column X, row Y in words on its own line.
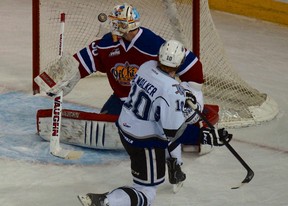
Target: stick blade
column 248, row 178
column 67, row 154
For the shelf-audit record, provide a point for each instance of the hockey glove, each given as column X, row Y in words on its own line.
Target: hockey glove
column 195, row 90
column 61, row 75
column 66, row 86
column 214, row 137
column 190, row 97
column 190, row 115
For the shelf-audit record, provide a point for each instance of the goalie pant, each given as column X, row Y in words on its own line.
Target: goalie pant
column 98, row 131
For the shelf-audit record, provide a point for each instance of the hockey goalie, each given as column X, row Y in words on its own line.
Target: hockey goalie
column 89, row 129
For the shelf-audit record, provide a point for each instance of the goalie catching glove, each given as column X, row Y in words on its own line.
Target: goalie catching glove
column 214, row 137
column 60, row 76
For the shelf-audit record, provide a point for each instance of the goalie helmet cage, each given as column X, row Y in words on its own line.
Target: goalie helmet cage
column 188, row 21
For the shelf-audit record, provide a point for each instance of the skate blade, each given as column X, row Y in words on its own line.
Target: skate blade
column 177, row 187
column 85, row 200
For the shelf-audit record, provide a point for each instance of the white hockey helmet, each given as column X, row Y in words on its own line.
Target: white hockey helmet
column 172, row 53
column 123, row 18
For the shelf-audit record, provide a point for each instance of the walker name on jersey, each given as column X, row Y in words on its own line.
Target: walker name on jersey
column 124, row 73
column 148, row 87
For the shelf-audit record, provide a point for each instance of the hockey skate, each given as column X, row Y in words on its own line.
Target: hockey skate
column 175, row 174
column 91, row 199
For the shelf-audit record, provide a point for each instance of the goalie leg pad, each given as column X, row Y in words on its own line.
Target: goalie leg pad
column 85, row 129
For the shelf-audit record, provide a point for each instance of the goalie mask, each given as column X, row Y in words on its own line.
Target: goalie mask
column 172, row 54
column 123, row 18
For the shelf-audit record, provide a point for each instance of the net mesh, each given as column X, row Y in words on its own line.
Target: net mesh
column 240, row 104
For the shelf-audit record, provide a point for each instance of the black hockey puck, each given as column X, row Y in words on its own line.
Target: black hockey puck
column 102, row 17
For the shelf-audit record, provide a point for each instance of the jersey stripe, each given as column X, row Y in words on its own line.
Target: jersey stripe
column 185, row 66
column 86, row 60
column 153, row 55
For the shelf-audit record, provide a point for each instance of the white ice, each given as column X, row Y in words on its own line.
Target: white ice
column 30, row 177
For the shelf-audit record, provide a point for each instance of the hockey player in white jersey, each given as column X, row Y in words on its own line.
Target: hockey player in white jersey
column 154, row 115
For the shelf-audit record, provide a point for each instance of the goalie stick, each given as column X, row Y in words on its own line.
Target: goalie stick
column 55, row 148
column 250, row 173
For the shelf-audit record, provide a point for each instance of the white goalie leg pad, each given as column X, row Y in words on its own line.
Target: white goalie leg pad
column 60, row 75
column 85, row 129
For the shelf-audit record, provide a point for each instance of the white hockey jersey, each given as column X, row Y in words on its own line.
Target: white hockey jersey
column 152, row 115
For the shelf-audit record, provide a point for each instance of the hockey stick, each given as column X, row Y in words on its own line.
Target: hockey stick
column 250, row 173
column 55, row 148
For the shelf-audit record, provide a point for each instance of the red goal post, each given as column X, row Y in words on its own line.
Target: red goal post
column 189, row 21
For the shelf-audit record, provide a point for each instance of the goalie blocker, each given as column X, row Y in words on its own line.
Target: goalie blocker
column 99, row 131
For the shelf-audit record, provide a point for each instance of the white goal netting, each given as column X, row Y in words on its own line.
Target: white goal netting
column 240, row 104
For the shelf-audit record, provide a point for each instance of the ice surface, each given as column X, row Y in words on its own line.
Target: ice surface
column 30, row 176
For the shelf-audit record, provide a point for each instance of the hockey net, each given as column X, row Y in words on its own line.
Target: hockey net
column 189, row 21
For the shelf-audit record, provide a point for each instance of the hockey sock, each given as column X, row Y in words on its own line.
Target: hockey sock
column 124, row 196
